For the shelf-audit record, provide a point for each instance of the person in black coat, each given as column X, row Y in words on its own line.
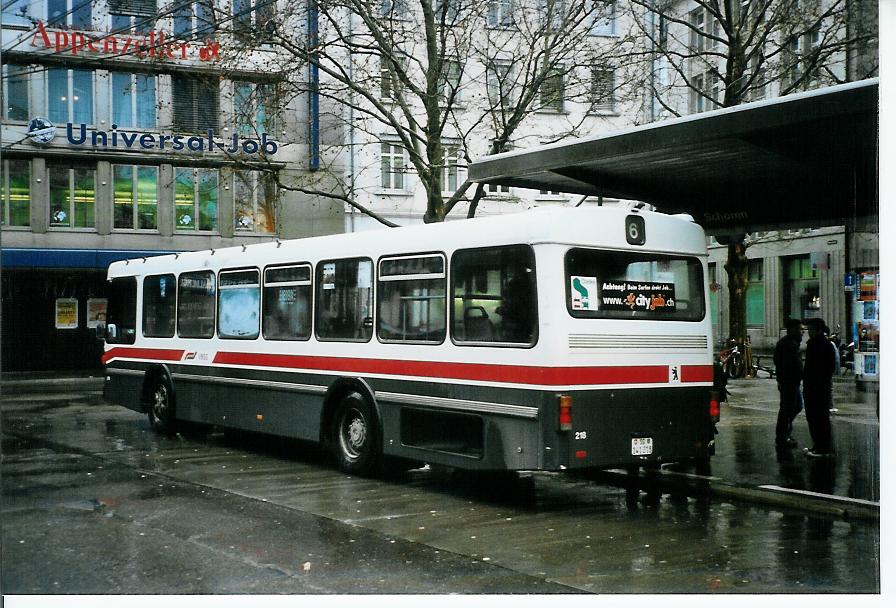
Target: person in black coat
column 789, row 373
column 818, row 374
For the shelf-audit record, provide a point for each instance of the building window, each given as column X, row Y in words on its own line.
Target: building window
column 411, row 299
column 494, row 295
column 449, row 8
column 72, row 195
column 449, row 92
column 133, row 100
column 395, row 9
column 603, row 18
column 497, row 189
column 16, row 12
column 70, row 96
column 15, row 92
column 136, row 202
column 345, row 300
column 500, row 13
column 137, row 16
column 553, row 12
column 196, row 103
column 755, row 294
column 390, row 85
column 705, row 92
column 453, row 168
column 802, row 292
column 287, row 302
column 194, row 19
column 69, row 13
column 392, row 166
column 551, row 92
column 254, row 20
column 714, row 299
column 255, row 197
column 252, row 108
column 500, row 83
column 196, row 199
column 15, row 193
column 603, row 89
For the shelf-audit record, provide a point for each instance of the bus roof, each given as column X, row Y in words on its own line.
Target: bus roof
column 602, row 226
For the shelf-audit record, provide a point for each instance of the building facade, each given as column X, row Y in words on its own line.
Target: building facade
column 124, row 134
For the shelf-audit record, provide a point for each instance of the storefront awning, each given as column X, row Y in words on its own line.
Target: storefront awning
column 809, row 159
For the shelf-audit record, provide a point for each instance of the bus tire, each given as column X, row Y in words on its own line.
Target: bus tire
column 160, row 408
column 355, row 435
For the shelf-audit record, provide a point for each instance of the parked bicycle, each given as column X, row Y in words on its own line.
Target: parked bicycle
column 736, row 358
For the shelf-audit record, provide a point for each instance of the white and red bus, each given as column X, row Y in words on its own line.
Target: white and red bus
column 550, row 339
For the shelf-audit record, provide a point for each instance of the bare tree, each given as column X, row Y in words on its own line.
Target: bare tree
column 705, row 54
column 441, row 80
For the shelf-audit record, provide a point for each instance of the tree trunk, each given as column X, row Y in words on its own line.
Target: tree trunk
column 736, row 267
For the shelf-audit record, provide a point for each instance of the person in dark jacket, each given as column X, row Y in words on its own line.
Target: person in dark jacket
column 789, row 372
column 818, row 374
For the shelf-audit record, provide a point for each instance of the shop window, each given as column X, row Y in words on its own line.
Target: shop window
column 133, row 100
column 72, row 195
column 194, row 19
column 239, row 303
column 196, row 305
column 15, row 193
column 159, row 301
column 287, row 303
column 196, row 103
column 195, row 199
column 755, row 294
column 411, row 299
column 344, row 306
column 255, row 202
column 494, row 295
column 15, row 92
column 136, row 199
column 70, row 96
column 69, row 13
column 802, row 292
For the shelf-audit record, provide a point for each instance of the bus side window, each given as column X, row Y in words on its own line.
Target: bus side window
column 159, row 301
column 344, row 304
column 411, row 299
column 239, row 304
column 196, row 305
column 287, row 303
column 122, row 311
column 494, row 297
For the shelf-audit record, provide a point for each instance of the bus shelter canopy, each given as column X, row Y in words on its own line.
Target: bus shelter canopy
column 809, row 159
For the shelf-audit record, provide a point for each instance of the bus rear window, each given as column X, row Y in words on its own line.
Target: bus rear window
column 633, row 285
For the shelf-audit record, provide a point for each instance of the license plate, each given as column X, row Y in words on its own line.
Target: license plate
column 642, row 446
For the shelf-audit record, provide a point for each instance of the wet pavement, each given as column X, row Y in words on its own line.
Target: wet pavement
column 95, row 502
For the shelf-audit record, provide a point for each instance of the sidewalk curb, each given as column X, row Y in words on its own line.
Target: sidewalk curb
column 696, row 485
column 51, row 385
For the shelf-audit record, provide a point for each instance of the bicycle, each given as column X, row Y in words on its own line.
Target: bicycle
column 735, row 357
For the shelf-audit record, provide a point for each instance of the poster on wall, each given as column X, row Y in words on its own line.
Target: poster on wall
column 96, row 312
column 868, row 286
column 66, row 313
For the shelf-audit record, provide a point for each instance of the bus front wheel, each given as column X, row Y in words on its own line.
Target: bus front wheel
column 160, row 409
column 355, row 436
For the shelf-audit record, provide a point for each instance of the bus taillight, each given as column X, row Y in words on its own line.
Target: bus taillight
column 565, row 413
column 714, row 409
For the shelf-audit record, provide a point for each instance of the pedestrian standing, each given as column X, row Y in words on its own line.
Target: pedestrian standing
column 789, row 373
column 818, row 384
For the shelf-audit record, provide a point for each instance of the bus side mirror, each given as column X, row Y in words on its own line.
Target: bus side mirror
column 111, row 331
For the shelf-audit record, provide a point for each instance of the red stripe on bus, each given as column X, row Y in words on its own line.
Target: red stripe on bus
column 551, row 376
column 697, row 373
column 157, row 354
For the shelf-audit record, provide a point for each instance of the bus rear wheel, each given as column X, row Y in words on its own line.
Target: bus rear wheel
column 160, row 408
column 355, row 435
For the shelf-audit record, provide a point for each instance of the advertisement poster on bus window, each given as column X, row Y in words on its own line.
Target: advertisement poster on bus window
column 329, row 279
column 583, row 293
column 96, row 312
column 637, row 296
column 66, row 313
